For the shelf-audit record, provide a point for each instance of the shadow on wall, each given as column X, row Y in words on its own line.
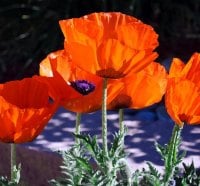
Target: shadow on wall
column 144, row 128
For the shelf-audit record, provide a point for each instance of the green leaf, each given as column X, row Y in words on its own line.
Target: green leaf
column 84, row 163
column 162, row 150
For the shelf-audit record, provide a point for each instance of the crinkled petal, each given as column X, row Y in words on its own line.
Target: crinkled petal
column 138, row 36
column 24, row 114
column 20, row 93
column 176, row 68
column 141, row 89
column 182, row 100
column 81, row 30
column 109, row 45
column 192, row 68
column 84, row 56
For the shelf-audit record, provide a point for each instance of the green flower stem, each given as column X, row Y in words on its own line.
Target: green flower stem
column 78, row 126
column 121, row 124
column 104, row 118
column 171, row 157
column 121, row 118
column 77, row 141
column 12, row 161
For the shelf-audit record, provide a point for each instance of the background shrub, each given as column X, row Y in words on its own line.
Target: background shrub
column 29, row 28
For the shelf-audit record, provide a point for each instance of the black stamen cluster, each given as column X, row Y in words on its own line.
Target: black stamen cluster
column 82, row 86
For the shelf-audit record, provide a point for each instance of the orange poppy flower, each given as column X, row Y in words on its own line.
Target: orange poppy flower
column 141, row 89
column 182, row 97
column 109, row 45
column 59, row 63
column 25, row 110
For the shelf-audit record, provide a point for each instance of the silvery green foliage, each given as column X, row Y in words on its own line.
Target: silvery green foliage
column 4, row 181
column 77, row 169
column 189, row 176
column 86, row 164
column 171, row 156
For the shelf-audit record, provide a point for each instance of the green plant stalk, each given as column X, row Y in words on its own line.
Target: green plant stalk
column 121, row 124
column 171, row 158
column 104, row 118
column 12, row 161
column 121, row 118
column 77, row 140
column 78, row 127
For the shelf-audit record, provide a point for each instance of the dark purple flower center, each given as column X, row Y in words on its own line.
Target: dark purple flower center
column 82, row 86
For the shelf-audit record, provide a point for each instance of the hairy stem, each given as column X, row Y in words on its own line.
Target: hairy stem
column 78, row 126
column 104, row 118
column 12, row 161
column 171, row 159
column 121, row 124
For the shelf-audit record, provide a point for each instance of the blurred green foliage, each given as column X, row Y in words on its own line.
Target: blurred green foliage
column 29, row 28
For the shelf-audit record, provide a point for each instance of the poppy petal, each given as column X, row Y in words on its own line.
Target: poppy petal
column 58, row 88
column 116, row 41
column 82, row 30
column 176, row 67
column 23, row 94
column 149, row 85
column 141, row 89
column 113, row 55
column 25, row 110
column 178, row 107
column 192, row 68
column 143, row 36
column 78, row 54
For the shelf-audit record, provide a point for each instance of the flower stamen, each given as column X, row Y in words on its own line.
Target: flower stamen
column 82, row 86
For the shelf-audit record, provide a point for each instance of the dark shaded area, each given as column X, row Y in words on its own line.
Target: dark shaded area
column 29, row 28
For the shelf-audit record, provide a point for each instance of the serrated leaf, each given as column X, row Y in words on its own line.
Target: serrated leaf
column 162, row 150
column 153, row 170
column 84, row 163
